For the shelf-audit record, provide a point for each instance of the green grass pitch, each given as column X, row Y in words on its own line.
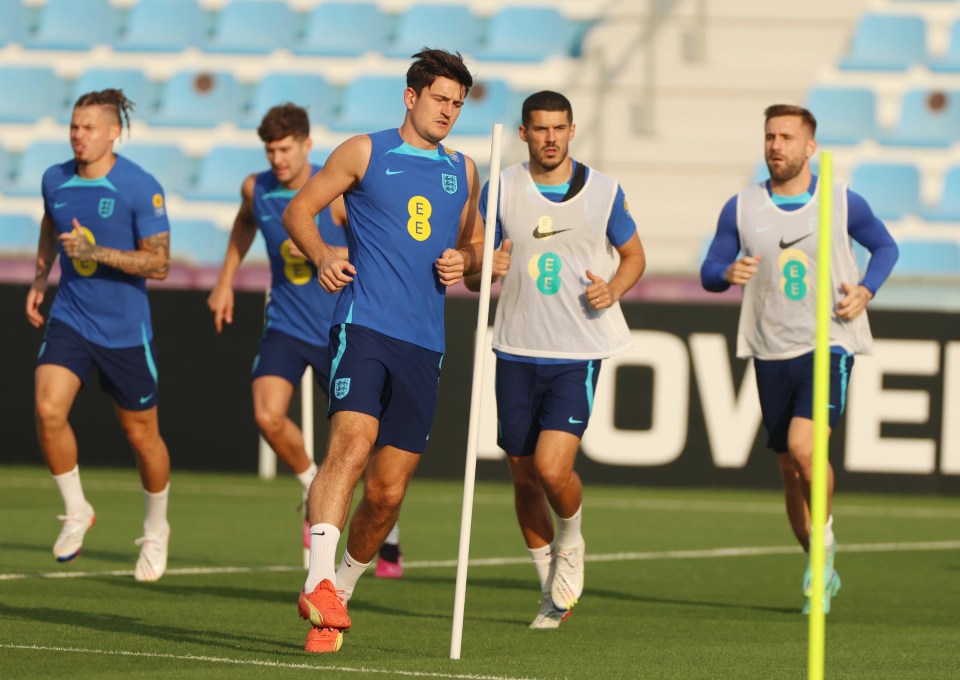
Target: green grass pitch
column 679, row 584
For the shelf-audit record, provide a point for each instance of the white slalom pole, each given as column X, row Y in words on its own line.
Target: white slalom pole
column 266, row 458
column 306, row 426
column 479, row 354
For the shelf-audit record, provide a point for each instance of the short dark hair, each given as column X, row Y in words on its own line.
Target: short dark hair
column 430, row 64
column 778, row 110
column 545, row 100
column 284, row 120
column 115, row 99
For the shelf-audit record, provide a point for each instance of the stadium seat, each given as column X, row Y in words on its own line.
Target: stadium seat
column 926, row 258
column 165, row 162
column 28, row 169
column 887, row 43
column 527, row 34
column 19, row 234
column 133, row 82
column 927, row 118
column 251, row 26
column 45, row 93
column 309, row 90
column 950, row 61
column 845, row 115
column 341, row 29
column 488, row 103
column 424, row 25
column 197, row 99
column 948, row 209
column 161, row 26
column 197, row 241
column 222, row 170
column 72, row 25
column 10, row 26
column 891, row 189
column 371, row 103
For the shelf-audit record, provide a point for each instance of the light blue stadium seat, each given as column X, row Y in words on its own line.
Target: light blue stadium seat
column 371, row 103
column 19, row 234
column 345, row 29
column 845, row 115
column 252, row 26
column 488, row 103
column 197, row 99
column 166, row 162
column 891, row 189
column 433, row 25
column 162, row 26
column 11, row 14
column 927, row 118
column 887, row 43
column 950, row 61
column 73, row 25
column 527, row 34
column 221, row 172
column 133, row 82
column 29, row 167
column 948, row 209
column 197, row 241
column 928, row 258
column 309, row 90
column 45, row 96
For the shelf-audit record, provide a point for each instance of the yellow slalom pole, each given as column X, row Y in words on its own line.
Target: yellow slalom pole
column 821, row 422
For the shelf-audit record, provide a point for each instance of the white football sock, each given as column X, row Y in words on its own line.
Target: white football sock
column 393, row 538
column 568, row 531
column 348, row 573
column 306, row 477
column 323, row 551
column 541, row 558
column 72, row 491
column 155, row 521
column 829, row 540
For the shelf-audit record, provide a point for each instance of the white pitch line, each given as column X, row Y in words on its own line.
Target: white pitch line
column 262, row 664
column 756, row 551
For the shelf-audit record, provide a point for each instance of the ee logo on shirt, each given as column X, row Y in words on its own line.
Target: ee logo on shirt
column 419, row 210
column 295, row 268
column 794, row 266
column 545, row 270
column 85, row 267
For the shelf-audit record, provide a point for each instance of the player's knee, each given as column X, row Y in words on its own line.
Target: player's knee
column 50, row 415
column 555, row 477
column 386, row 497
column 142, row 436
column 268, row 422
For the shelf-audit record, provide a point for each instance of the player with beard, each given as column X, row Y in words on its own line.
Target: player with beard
column 773, row 225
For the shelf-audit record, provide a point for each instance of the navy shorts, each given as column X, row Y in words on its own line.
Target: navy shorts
column 786, row 392
column 287, row 357
column 532, row 398
column 128, row 374
column 392, row 380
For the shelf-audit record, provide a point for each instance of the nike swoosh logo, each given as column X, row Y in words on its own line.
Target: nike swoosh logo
column 144, row 400
column 544, row 234
column 574, row 421
column 58, row 205
column 322, row 533
column 394, row 172
column 787, row 244
column 266, row 218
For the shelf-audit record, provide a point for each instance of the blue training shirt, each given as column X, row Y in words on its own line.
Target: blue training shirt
column 400, row 218
column 105, row 305
column 298, row 304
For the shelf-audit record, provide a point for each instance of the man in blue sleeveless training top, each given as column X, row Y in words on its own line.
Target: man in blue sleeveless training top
column 297, row 328
column 773, row 225
column 413, row 229
column 108, row 217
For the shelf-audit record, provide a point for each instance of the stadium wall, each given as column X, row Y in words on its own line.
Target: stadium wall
column 677, row 409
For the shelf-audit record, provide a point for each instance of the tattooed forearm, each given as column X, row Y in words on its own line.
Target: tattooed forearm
column 151, row 260
column 46, row 251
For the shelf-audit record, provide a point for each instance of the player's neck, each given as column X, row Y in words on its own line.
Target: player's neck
column 98, row 168
column 794, row 186
column 551, row 177
column 298, row 181
column 409, row 134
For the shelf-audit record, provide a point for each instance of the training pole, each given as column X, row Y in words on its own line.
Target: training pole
column 479, row 354
column 266, row 458
column 821, row 423
column 306, row 426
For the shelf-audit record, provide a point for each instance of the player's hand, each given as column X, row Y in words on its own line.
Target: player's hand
column 335, row 272
column 76, row 245
column 501, row 258
column 854, row 301
column 742, row 270
column 34, row 299
column 599, row 294
column 220, row 303
column 450, row 267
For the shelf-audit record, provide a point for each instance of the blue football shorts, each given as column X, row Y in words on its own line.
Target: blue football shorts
column 532, row 398
column 287, row 357
column 128, row 374
column 786, row 392
column 395, row 381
